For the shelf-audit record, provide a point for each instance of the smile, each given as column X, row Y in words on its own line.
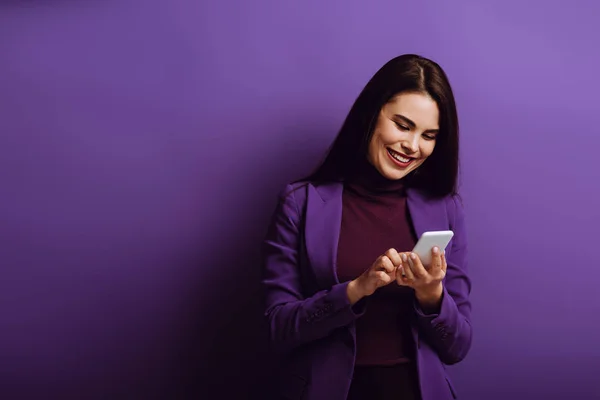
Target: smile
column 399, row 159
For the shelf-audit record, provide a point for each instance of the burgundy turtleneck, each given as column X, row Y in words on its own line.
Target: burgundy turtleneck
column 374, row 219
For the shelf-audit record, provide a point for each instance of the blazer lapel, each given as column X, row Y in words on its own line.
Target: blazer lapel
column 426, row 214
column 322, row 231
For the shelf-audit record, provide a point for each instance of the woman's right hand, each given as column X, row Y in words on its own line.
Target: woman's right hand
column 381, row 273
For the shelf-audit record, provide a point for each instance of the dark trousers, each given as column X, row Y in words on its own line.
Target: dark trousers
column 396, row 382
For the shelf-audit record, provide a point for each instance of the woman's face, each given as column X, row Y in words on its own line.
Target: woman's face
column 405, row 135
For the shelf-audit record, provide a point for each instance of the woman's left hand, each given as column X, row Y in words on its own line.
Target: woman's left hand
column 427, row 283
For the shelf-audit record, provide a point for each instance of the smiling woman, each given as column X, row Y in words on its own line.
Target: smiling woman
column 354, row 312
column 412, row 94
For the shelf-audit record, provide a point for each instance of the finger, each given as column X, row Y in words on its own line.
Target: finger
column 444, row 266
column 436, row 260
column 383, row 277
column 402, row 279
column 386, row 264
column 400, row 272
column 408, row 273
column 416, row 266
column 394, row 257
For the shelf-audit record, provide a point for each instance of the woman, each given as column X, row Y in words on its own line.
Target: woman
column 354, row 313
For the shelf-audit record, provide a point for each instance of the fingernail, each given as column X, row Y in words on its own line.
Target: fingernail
column 404, row 257
column 436, row 250
column 413, row 256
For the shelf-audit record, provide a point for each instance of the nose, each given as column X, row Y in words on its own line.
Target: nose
column 411, row 144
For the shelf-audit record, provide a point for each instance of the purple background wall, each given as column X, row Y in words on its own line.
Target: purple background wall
column 143, row 143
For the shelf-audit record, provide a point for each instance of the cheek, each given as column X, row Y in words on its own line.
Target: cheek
column 373, row 148
column 427, row 148
column 387, row 137
column 377, row 142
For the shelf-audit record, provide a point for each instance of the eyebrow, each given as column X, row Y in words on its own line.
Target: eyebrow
column 413, row 125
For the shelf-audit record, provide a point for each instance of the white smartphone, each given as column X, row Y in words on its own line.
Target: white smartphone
column 428, row 241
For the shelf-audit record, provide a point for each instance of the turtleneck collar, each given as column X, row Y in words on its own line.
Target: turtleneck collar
column 368, row 181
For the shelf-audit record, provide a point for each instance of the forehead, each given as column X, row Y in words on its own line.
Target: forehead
column 419, row 108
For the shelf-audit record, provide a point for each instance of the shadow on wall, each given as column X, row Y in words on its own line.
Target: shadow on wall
column 225, row 350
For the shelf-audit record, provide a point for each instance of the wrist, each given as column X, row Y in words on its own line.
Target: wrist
column 430, row 297
column 353, row 292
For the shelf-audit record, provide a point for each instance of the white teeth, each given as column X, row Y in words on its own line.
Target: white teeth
column 398, row 157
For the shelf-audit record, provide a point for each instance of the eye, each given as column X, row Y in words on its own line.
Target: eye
column 429, row 137
column 402, row 127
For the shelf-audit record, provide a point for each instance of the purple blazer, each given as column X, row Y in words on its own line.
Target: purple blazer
column 310, row 320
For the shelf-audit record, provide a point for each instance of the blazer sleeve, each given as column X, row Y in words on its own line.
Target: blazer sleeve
column 292, row 318
column 449, row 332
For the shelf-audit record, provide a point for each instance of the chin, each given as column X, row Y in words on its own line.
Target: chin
column 394, row 175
